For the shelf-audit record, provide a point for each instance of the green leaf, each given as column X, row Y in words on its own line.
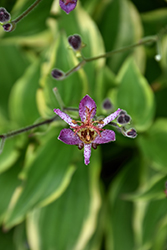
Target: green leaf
column 153, row 143
column 155, row 216
column 11, row 152
column 12, row 66
column 154, row 189
column 134, row 95
column 127, row 29
column 8, row 183
column 75, row 212
column 48, row 176
column 22, row 102
column 6, row 239
column 154, row 21
column 119, row 217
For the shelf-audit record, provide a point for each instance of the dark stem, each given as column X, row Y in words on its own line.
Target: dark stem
column 13, row 133
column 25, row 13
column 108, row 54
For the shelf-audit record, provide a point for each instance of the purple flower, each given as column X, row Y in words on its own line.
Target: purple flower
column 86, row 133
column 68, row 5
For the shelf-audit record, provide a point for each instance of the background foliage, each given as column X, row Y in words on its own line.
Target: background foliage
column 49, row 199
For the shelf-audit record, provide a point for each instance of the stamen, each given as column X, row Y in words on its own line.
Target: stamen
column 75, row 122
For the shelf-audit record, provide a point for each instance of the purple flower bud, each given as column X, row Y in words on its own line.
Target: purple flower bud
column 131, row 133
column 68, row 5
column 122, row 112
column 4, row 15
column 94, row 145
column 80, row 146
column 107, row 105
column 58, row 74
column 123, row 118
column 75, row 42
column 8, row 27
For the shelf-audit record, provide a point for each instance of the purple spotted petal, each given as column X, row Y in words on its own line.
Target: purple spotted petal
column 68, row 5
column 106, row 136
column 65, row 117
column 109, row 118
column 67, row 136
column 87, row 101
column 87, row 153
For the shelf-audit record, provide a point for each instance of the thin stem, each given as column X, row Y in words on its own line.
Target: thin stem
column 25, row 13
column 76, row 68
column 108, row 54
column 16, row 132
column 20, row 131
column 58, row 97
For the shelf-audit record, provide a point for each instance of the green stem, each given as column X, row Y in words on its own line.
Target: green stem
column 25, row 13
column 108, row 54
column 143, row 41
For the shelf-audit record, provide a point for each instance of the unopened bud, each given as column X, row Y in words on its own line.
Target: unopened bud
column 8, row 27
column 122, row 112
column 4, row 15
column 94, row 145
column 107, row 105
column 75, row 42
column 80, row 146
column 58, row 74
column 131, row 133
column 123, row 118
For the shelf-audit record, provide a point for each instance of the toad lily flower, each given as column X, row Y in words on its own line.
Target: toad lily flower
column 86, row 133
column 68, row 5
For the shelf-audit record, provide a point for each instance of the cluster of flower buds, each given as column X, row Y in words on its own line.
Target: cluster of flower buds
column 4, row 15
column 5, row 20
column 123, row 119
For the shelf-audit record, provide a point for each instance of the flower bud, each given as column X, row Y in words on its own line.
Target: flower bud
column 4, row 15
column 58, row 74
column 131, row 133
column 123, row 119
column 94, row 145
column 75, row 42
column 107, row 105
column 80, row 146
column 8, row 27
column 68, row 5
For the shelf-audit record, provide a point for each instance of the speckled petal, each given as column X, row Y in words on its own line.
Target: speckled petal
column 67, row 136
column 67, row 5
column 65, row 117
column 106, row 136
column 87, row 153
column 87, row 101
column 109, row 118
